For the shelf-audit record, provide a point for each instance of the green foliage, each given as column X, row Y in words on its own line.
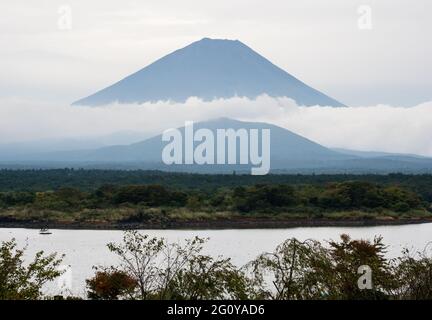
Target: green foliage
column 8, row 199
column 261, row 197
column 91, row 180
column 157, row 204
column 152, row 268
column 307, row 270
column 347, row 256
column 151, row 195
column 414, row 274
column 163, row 270
column 19, row 281
column 204, row 277
column 294, row 271
column 359, row 195
column 159, row 198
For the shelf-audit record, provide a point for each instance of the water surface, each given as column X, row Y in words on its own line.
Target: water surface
column 87, row 248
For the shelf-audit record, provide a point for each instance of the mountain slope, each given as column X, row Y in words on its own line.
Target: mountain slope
column 209, row 69
column 290, row 153
column 286, row 147
column 379, row 154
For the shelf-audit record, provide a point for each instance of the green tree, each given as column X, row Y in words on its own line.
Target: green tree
column 307, row 270
column 19, row 281
column 291, row 272
column 347, row 256
column 414, row 276
column 163, row 270
column 204, row 277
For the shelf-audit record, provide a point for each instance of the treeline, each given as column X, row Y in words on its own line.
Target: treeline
column 90, row 180
column 151, row 268
column 260, row 198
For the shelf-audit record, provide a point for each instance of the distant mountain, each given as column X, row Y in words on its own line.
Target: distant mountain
column 14, row 150
column 379, row 154
column 209, row 69
column 290, row 153
column 287, row 148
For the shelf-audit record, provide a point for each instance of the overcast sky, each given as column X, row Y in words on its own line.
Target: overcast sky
column 318, row 41
column 378, row 67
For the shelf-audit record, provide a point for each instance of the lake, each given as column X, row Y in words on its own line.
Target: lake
column 87, row 248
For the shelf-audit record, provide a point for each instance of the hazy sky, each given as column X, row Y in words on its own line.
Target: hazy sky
column 50, row 58
column 45, row 58
column 377, row 128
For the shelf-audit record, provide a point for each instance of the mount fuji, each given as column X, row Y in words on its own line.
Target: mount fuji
column 209, row 69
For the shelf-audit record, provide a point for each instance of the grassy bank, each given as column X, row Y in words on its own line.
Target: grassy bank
column 182, row 218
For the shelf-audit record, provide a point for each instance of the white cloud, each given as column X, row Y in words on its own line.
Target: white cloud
column 379, row 128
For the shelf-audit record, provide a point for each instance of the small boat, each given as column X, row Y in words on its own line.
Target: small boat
column 44, row 231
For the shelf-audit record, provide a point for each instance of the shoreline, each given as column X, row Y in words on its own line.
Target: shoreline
column 246, row 223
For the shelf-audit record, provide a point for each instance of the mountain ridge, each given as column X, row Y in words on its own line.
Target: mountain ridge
column 295, row 147
column 290, row 153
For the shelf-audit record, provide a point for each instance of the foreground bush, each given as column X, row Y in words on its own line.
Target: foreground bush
column 295, row 270
column 414, row 275
column 152, row 268
column 19, row 281
column 111, row 284
column 161, row 270
column 308, row 270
